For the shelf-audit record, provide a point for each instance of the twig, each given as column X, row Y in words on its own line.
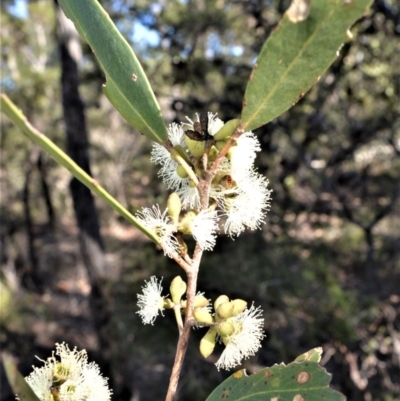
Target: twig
column 238, row 132
column 204, row 186
column 185, row 333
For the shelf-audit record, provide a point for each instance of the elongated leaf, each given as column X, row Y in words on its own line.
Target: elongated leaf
column 298, row 381
column 16, row 380
column 127, row 86
column 294, row 56
column 16, row 116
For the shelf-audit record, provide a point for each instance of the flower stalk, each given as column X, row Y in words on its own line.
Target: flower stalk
column 203, row 171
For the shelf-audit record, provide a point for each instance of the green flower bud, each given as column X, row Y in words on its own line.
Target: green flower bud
column 200, row 301
column 220, row 144
column 196, row 148
column 174, row 207
column 225, row 328
column 207, row 343
column 181, row 172
column 238, row 306
column 227, row 129
column 225, row 310
column 225, row 340
column 221, row 299
column 177, row 289
column 203, row 316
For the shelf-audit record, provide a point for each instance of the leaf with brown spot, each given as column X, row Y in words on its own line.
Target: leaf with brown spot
column 303, row 377
column 298, row 381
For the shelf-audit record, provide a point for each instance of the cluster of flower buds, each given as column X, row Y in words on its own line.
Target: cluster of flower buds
column 239, row 328
column 238, row 193
column 70, row 377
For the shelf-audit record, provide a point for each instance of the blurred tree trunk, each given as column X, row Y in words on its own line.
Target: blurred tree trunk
column 91, row 242
column 32, row 278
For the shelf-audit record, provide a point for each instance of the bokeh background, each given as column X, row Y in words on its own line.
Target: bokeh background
column 325, row 267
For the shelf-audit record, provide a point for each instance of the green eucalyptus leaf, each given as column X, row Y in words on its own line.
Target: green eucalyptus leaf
column 18, row 118
column 17, row 382
column 298, row 381
column 295, row 55
column 126, row 86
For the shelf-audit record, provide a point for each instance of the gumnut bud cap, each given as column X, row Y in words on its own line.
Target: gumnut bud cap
column 221, row 299
column 174, row 207
column 207, row 343
column 196, row 148
column 225, row 328
column 203, row 316
column 225, row 310
column 177, row 289
column 227, row 129
column 239, row 305
column 200, row 301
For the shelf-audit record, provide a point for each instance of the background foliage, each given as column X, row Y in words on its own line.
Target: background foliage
column 325, row 267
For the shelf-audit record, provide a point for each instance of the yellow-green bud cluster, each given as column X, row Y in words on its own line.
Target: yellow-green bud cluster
column 222, row 322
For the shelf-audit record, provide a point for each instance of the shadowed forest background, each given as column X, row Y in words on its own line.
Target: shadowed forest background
column 325, row 267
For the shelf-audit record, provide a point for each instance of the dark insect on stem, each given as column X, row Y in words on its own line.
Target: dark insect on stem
column 200, row 129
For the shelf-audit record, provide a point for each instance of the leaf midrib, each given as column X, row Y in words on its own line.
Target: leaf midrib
column 275, row 87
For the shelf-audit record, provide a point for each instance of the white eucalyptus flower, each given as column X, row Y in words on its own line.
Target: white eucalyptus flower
column 245, row 341
column 160, row 155
column 249, row 207
column 190, row 197
column 70, row 376
column 162, row 225
column 214, row 123
column 150, row 302
column 244, row 154
column 204, row 227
